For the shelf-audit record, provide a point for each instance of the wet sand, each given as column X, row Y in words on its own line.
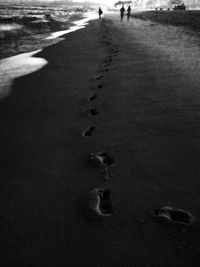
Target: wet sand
column 147, row 120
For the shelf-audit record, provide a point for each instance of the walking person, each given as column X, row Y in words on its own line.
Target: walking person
column 100, row 12
column 122, row 10
column 128, row 13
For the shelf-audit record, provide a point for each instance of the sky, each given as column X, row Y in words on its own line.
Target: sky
column 92, row 1
column 108, row 2
column 103, row 2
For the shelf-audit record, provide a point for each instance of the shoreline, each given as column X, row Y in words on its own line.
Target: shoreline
column 40, row 40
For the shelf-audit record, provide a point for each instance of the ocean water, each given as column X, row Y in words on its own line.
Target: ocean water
column 25, row 28
column 27, row 32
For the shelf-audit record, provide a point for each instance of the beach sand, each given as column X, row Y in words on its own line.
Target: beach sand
column 147, row 121
column 188, row 19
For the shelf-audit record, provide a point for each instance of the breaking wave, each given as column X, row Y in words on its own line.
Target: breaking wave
column 24, row 29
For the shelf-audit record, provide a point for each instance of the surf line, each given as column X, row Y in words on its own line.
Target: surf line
column 79, row 24
column 26, row 63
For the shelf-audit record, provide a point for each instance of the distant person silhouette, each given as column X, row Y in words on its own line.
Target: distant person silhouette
column 100, row 12
column 122, row 10
column 128, row 13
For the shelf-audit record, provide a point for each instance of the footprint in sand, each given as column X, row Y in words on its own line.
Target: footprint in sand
column 101, row 158
column 105, row 162
column 92, row 111
column 99, row 77
column 173, row 215
column 92, row 97
column 89, row 131
column 104, row 70
column 98, row 204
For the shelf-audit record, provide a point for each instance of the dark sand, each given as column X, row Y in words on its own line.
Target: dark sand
column 148, row 121
column 188, row 19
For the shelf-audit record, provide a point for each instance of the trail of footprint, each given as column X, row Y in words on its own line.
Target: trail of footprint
column 99, row 77
column 91, row 98
column 92, row 111
column 89, row 131
column 97, row 204
column 174, row 215
column 104, row 161
column 105, row 70
column 102, row 158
